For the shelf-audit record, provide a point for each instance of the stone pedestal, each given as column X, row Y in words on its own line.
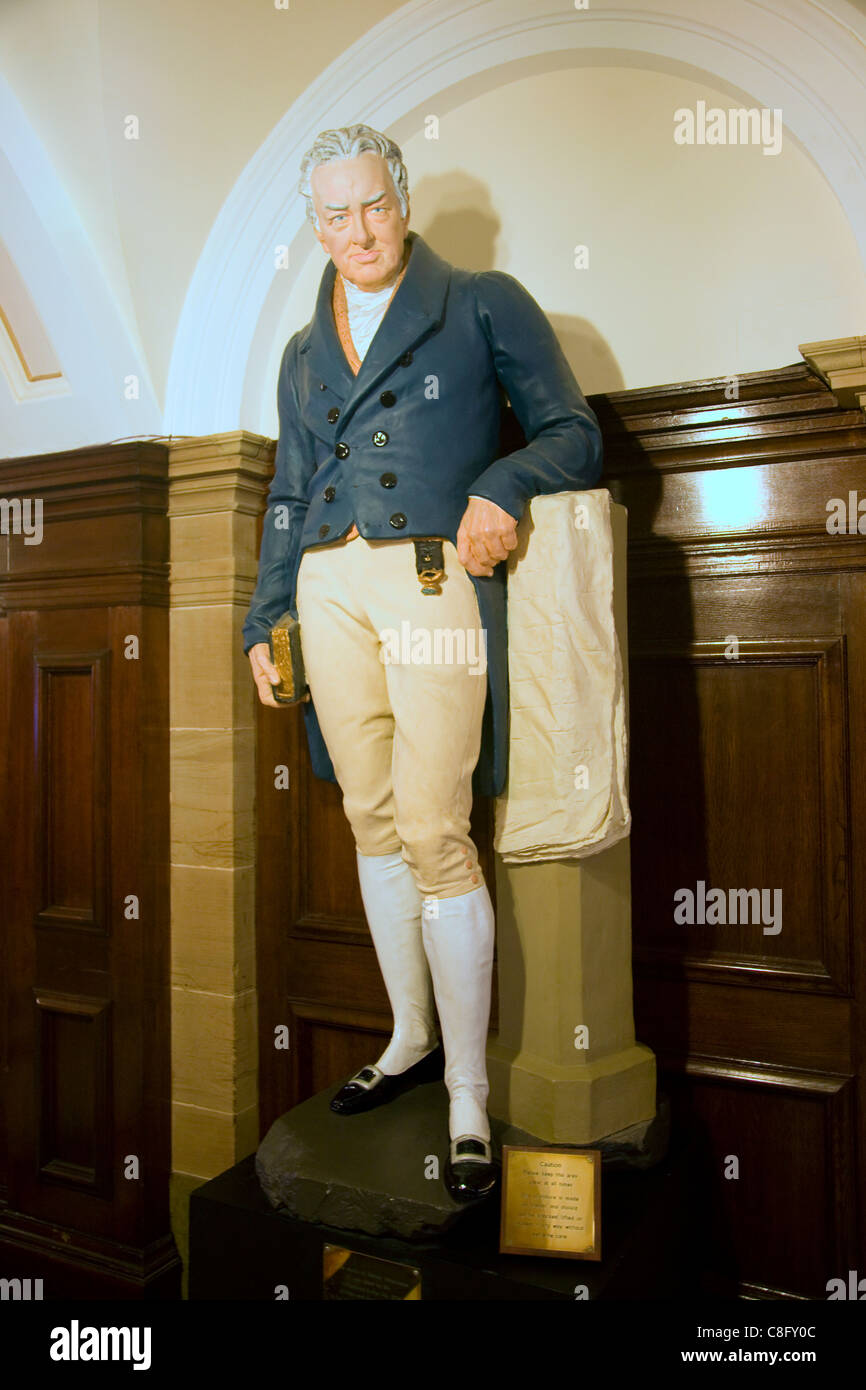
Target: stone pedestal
column 242, row 1248
column 381, row 1172
column 565, row 1065
column 378, row 1172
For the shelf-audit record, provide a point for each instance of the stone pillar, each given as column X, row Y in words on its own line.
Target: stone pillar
column 216, row 489
column 564, row 954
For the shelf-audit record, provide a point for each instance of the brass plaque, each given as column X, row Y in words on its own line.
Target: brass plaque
column 349, row 1274
column 551, row 1202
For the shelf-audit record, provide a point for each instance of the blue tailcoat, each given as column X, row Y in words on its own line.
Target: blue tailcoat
column 398, row 448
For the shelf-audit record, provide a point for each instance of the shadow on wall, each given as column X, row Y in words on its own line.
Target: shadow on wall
column 470, row 237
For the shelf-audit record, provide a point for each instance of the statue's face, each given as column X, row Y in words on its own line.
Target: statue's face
column 360, row 225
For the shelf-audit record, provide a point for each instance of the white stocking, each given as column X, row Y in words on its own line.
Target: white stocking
column 392, row 905
column 458, row 937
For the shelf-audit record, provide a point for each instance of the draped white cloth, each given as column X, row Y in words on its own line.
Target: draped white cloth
column 566, row 795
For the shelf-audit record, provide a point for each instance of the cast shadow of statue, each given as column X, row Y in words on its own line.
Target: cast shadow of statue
column 470, row 237
column 666, row 785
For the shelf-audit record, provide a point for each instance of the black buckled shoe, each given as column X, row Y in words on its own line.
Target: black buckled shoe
column 470, row 1172
column 371, row 1087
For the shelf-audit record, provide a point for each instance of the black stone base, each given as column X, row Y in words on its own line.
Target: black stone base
column 380, row 1172
column 241, row 1248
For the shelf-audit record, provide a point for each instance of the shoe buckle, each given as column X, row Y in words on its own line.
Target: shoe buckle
column 367, row 1078
column 467, row 1148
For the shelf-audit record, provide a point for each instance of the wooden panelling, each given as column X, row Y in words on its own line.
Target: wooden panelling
column 704, row 1018
column 73, row 1078
column 85, row 1032
column 6, row 895
column 329, row 906
column 777, row 1159
column 331, row 1042
column 71, row 769
column 747, row 638
column 755, row 742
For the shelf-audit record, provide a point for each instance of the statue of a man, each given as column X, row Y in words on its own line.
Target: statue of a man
column 390, row 405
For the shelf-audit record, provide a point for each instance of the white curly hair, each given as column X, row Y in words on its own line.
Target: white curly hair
column 348, row 142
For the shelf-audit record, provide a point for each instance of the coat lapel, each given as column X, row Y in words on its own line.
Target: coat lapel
column 326, row 357
column 418, row 304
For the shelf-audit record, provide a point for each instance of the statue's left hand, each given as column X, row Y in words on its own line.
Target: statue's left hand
column 486, row 535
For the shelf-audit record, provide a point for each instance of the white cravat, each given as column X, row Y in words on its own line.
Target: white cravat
column 366, row 310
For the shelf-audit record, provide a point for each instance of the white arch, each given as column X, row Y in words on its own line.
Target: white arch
column 56, row 261
column 793, row 54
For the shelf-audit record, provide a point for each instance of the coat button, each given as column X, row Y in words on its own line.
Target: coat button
column 333, row 415
column 398, row 521
column 341, row 450
column 329, row 494
column 323, row 531
column 380, row 438
column 322, row 386
column 388, row 398
column 406, row 359
column 388, row 480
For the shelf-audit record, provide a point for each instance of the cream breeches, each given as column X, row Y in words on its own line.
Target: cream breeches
column 399, row 682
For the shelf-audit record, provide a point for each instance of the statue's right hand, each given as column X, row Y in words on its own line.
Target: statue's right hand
column 265, row 673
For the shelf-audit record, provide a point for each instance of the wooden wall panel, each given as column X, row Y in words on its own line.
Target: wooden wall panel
column 73, row 1079
column 756, row 745
column 86, row 1038
column 72, row 837
column 6, row 892
column 777, row 1157
column 331, row 1042
column 744, row 773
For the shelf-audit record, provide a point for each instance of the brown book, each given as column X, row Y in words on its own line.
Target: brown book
column 284, row 642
